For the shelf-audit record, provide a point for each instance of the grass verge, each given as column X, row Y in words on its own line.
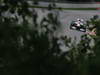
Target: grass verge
column 60, row 8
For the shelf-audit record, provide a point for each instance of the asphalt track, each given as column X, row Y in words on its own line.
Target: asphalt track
column 67, row 16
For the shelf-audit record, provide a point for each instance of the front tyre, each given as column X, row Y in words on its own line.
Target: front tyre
column 82, row 30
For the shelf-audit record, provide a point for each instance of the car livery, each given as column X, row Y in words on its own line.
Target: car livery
column 78, row 25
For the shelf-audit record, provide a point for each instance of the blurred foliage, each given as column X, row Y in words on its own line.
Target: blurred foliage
column 36, row 50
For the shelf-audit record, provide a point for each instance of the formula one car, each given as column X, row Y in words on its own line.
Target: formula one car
column 78, row 25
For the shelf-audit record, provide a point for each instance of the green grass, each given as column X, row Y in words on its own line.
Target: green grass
column 65, row 8
column 79, row 8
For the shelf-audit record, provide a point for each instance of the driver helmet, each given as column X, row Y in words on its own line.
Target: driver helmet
column 81, row 20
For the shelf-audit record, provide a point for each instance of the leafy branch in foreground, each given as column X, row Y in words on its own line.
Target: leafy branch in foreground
column 33, row 48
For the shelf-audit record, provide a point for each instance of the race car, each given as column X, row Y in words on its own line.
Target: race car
column 78, row 25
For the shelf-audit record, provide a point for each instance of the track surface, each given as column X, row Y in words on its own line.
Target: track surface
column 67, row 16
